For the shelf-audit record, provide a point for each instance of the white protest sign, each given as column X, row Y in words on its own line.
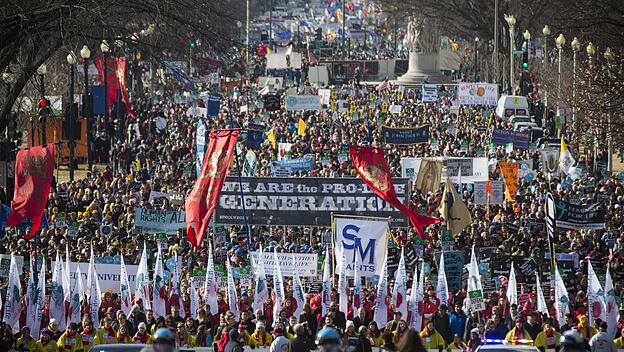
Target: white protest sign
column 429, row 93
column 303, row 102
column 155, row 195
column 325, row 95
column 477, row 93
column 304, row 264
column 363, row 238
column 109, row 275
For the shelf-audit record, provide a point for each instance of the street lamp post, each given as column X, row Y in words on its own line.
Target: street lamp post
column 41, row 71
column 71, row 60
column 105, row 49
column 85, row 53
column 511, row 21
column 576, row 46
column 476, row 59
column 560, row 41
column 610, row 57
column 545, row 60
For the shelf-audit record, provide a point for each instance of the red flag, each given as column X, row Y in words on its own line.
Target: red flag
column 34, row 168
column 115, row 77
column 202, row 201
column 371, row 165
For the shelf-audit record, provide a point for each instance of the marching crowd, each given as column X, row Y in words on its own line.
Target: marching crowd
column 148, row 158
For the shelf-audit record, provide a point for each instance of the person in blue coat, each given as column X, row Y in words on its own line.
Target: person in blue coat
column 457, row 320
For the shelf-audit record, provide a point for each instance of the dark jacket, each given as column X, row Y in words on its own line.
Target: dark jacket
column 300, row 344
column 442, row 325
column 357, row 322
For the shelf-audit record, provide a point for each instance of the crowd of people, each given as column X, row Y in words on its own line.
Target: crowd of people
column 144, row 157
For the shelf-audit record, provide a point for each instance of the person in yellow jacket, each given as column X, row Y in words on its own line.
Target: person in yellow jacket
column 548, row 338
column 518, row 333
column 260, row 337
column 123, row 336
column 619, row 342
column 25, row 341
column 70, row 340
column 244, row 338
column 585, row 329
column 105, row 334
column 88, row 334
column 431, row 339
column 457, row 344
column 142, row 336
column 183, row 338
column 45, row 343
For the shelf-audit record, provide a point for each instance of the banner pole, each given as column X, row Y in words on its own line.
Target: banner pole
column 240, row 182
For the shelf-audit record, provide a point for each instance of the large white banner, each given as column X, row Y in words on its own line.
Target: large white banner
column 304, row 264
column 364, row 239
column 477, row 93
column 303, row 102
column 472, row 169
column 108, row 274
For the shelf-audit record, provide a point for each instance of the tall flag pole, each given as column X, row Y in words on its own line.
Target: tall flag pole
column 541, row 302
column 562, row 301
column 94, row 294
column 210, row 285
column 141, row 287
column 57, row 293
column 612, row 308
column 124, row 289
column 357, row 285
column 343, row 287
column 231, row 292
column 158, row 294
column 399, row 294
column 278, row 288
column 261, row 294
column 512, row 287
column 596, row 303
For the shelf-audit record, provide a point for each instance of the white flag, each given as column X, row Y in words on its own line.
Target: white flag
column 566, row 160
column 261, row 295
column 210, row 285
column 541, row 302
column 158, row 301
column 381, row 307
column 357, row 285
column 57, row 293
column 399, row 294
column 298, row 295
column 474, row 279
column 327, row 285
column 12, row 305
column 343, row 287
column 77, row 297
column 35, row 299
column 416, row 296
column 562, row 302
column 595, row 295
column 612, row 308
column 176, row 294
column 141, row 286
column 124, row 289
column 512, row 287
column 231, row 292
column 67, row 289
column 94, row 294
column 278, row 289
column 194, row 297
column 442, row 287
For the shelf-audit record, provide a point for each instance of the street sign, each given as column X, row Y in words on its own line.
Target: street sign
column 517, row 53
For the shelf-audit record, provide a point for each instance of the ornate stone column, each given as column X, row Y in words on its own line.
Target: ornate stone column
column 424, row 44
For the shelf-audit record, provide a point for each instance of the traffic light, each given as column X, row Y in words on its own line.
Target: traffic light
column 44, row 107
column 525, row 59
column 193, row 44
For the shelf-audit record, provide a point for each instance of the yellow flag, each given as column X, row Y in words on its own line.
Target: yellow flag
column 271, row 138
column 301, row 127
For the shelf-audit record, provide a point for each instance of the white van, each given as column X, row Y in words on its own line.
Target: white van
column 512, row 105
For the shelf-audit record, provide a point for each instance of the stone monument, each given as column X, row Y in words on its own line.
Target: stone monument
column 424, row 49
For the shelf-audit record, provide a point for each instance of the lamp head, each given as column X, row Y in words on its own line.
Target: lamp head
column 591, row 49
column 527, row 35
column 609, row 55
column 560, row 41
column 576, row 44
column 71, row 58
column 104, row 46
column 42, row 70
column 546, row 31
column 85, row 53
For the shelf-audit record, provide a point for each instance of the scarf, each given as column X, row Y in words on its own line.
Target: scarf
column 518, row 333
column 110, row 331
column 140, row 338
column 225, row 338
column 68, row 341
column 121, row 338
column 550, row 338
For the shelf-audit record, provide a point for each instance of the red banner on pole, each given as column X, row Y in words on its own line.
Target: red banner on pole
column 372, row 168
column 115, row 78
column 202, row 201
column 34, row 168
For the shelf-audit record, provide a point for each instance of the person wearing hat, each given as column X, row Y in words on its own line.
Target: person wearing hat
column 350, row 339
column 518, row 332
column 280, row 342
column 141, row 335
column 25, row 342
column 548, row 338
column 260, row 337
column 88, row 334
column 45, row 343
column 602, row 341
column 586, row 331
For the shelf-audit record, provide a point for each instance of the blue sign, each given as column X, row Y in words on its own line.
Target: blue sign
column 97, row 92
column 255, row 136
column 170, row 263
column 213, row 105
column 298, row 164
column 520, row 140
column 453, row 265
